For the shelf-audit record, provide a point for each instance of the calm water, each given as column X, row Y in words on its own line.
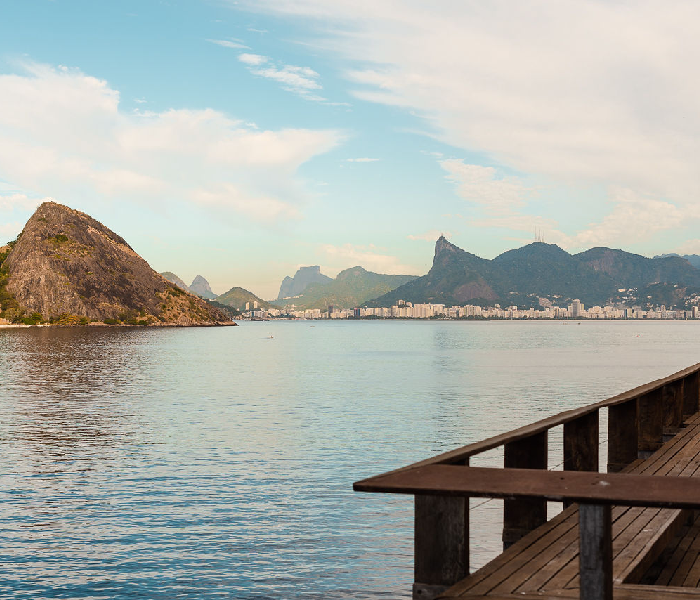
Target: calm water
column 218, row 463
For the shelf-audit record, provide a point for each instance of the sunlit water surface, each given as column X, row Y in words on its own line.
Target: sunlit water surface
column 218, row 463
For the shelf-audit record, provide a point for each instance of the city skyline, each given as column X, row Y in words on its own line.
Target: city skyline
column 241, row 140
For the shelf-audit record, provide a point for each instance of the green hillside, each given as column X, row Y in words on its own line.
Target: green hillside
column 352, row 287
column 236, row 298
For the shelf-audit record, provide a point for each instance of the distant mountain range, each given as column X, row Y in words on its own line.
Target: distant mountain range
column 538, row 270
column 303, row 278
column 693, row 259
column 352, row 287
column 529, row 276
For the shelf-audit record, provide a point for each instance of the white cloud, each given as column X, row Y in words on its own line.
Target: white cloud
column 302, row 81
column 361, row 160
column 430, row 236
column 579, row 91
column 633, row 219
column 21, row 201
column 345, row 256
column 480, row 186
column 9, row 231
column 62, row 133
column 252, row 59
column 236, row 44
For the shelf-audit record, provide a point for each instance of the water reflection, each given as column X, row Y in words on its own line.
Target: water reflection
column 218, row 462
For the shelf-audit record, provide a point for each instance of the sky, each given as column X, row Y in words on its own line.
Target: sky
column 243, row 139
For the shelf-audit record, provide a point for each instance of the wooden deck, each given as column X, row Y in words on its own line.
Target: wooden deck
column 545, row 562
column 639, row 536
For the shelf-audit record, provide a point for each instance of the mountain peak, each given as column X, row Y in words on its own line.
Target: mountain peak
column 442, row 245
column 201, row 287
column 67, row 263
column 303, row 278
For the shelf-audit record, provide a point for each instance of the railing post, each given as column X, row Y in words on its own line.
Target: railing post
column 651, row 423
column 622, row 435
column 581, row 444
column 441, row 544
column 595, row 557
column 691, row 394
column 523, row 515
column 673, row 398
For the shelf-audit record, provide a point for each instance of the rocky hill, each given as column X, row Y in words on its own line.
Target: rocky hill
column 201, row 287
column 522, row 276
column 303, row 278
column 237, row 297
column 352, row 287
column 67, row 266
column 172, row 278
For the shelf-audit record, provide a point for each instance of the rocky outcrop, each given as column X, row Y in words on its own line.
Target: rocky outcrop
column 303, row 278
column 201, row 287
column 67, row 263
column 172, row 278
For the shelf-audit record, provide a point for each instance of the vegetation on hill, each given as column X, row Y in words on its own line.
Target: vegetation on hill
column 352, row 287
column 522, row 276
column 237, row 297
column 68, row 268
column 303, row 278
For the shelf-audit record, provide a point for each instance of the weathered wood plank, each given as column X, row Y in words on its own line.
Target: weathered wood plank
column 595, row 555
column 691, row 394
column 651, row 422
column 523, row 515
column 581, row 443
column 623, row 435
column 555, row 486
column 441, row 544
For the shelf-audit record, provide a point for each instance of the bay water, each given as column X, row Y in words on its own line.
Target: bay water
column 219, row 462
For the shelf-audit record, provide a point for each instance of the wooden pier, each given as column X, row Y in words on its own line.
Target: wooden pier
column 630, row 533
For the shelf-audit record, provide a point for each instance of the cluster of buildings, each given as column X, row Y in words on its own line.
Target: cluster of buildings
column 408, row 310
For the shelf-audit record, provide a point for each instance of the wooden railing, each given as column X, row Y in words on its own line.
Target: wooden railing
column 638, row 420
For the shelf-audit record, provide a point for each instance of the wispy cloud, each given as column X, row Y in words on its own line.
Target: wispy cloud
column 252, row 59
column 583, row 93
column 236, row 44
column 302, row 81
column 483, row 186
column 361, row 160
column 339, row 257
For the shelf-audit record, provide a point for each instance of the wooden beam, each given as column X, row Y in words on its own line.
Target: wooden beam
column 622, row 435
column 581, row 443
column 441, row 544
column 595, row 552
column 691, row 394
column 556, row 486
column 523, row 515
column 673, row 399
column 651, row 423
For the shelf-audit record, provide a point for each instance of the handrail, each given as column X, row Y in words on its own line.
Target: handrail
column 555, row 486
column 638, row 421
column 465, row 452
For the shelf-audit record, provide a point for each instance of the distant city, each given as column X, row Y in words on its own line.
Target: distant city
column 408, row 310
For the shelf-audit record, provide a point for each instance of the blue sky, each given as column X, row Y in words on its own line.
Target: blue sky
column 241, row 140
